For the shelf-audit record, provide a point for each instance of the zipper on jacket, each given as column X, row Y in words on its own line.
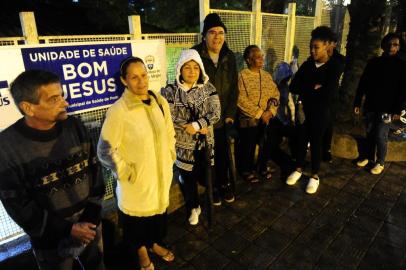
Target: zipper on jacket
column 157, row 143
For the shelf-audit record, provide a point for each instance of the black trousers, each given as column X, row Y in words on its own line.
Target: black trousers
column 143, row 231
column 246, row 148
column 189, row 188
column 328, row 134
column 221, row 160
column 276, row 132
column 311, row 131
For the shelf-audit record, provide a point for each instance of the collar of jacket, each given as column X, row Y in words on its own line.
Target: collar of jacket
column 132, row 101
column 205, row 54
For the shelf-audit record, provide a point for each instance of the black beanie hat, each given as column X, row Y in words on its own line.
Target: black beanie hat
column 212, row 20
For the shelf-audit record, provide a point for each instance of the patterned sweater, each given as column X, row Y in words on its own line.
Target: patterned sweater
column 200, row 104
column 255, row 90
column 49, row 180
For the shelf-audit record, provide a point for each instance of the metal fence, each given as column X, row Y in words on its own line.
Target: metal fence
column 274, row 28
column 304, row 26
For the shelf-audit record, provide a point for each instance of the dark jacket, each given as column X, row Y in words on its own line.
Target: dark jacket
column 224, row 77
column 383, row 84
column 340, row 58
column 317, row 102
column 50, row 180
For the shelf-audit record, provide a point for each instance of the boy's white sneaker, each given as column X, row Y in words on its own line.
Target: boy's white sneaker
column 293, row 178
column 312, row 185
column 377, row 169
column 362, row 162
column 194, row 216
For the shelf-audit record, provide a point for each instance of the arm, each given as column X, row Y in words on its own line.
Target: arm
column 169, row 127
column 169, row 94
column 109, row 143
column 362, row 86
column 92, row 211
column 214, row 108
column 274, row 94
column 297, row 84
column 291, row 106
column 400, row 103
column 24, row 210
column 231, row 109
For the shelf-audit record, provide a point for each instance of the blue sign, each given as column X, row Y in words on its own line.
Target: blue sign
column 3, row 84
column 90, row 74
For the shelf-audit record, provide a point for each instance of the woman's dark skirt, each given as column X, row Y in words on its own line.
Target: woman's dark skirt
column 143, row 231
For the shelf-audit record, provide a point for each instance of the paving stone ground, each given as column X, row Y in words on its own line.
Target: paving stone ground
column 355, row 221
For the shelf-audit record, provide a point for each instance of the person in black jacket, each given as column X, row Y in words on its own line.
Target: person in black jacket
column 340, row 59
column 383, row 84
column 220, row 65
column 50, row 179
column 315, row 82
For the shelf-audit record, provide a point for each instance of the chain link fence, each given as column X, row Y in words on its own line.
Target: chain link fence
column 273, row 39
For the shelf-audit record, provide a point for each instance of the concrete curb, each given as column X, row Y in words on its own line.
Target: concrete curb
column 346, row 146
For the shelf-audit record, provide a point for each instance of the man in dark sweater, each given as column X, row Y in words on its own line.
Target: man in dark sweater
column 220, row 65
column 383, row 84
column 50, row 180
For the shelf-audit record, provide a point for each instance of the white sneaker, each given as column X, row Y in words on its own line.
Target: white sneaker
column 312, row 185
column 293, row 177
column 194, row 216
column 362, row 162
column 377, row 169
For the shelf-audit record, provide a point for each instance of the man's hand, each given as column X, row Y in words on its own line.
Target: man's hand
column 189, row 129
column 356, row 110
column 84, row 232
column 266, row 116
column 317, row 86
column 229, row 120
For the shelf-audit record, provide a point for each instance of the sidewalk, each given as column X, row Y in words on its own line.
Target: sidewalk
column 355, row 221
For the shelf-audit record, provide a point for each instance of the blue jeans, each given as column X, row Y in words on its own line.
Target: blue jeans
column 377, row 138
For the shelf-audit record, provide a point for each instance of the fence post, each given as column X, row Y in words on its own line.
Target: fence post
column 204, row 9
column 134, row 23
column 27, row 20
column 344, row 33
column 256, row 26
column 290, row 32
column 318, row 13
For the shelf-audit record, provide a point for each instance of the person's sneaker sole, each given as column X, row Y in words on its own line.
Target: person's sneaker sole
column 217, row 203
column 230, row 200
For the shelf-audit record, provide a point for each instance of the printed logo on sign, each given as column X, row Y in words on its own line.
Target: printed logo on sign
column 4, row 101
column 149, row 61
